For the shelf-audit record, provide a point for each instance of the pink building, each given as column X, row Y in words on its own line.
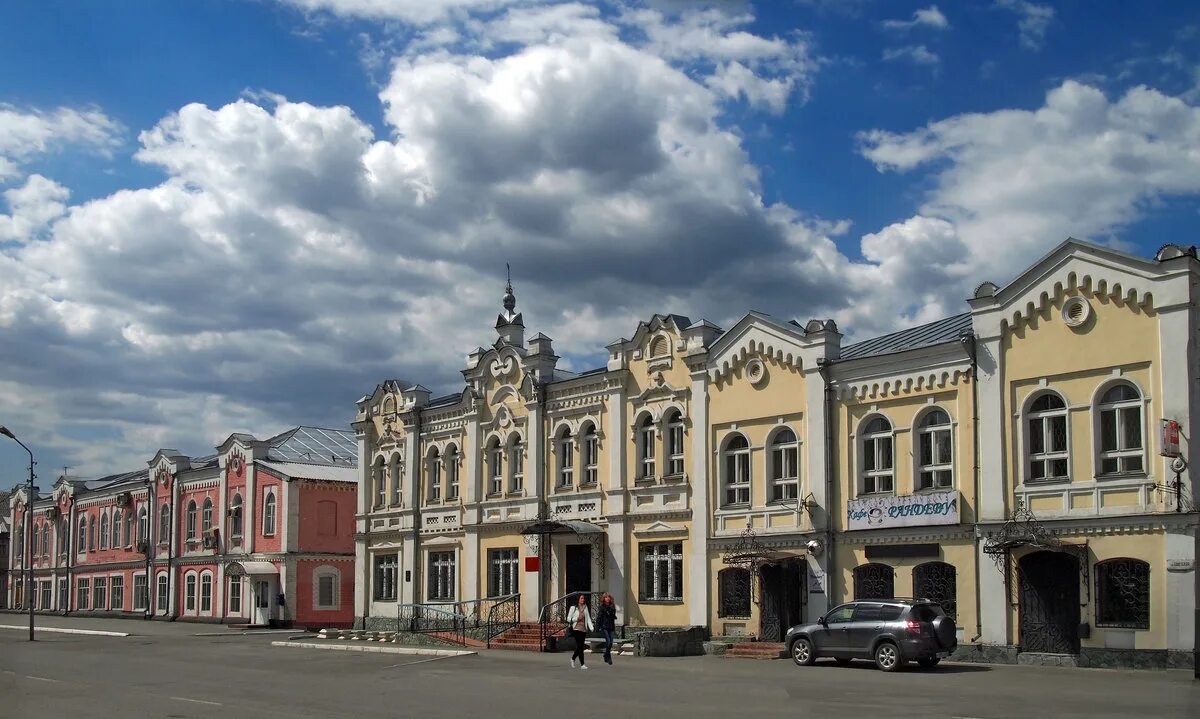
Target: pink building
column 260, row 533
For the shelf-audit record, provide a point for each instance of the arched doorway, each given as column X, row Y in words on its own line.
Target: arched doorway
column 1049, row 603
column 782, row 603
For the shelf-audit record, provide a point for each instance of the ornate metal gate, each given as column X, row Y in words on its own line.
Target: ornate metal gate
column 1049, row 603
column 782, row 599
column 769, row 624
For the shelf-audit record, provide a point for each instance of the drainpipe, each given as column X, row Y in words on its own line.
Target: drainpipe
column 171, row 603
column 968, row 341
column 420, row 477
column 823, row 367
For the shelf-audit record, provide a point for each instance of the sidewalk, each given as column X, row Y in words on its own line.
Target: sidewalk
column 133, row 627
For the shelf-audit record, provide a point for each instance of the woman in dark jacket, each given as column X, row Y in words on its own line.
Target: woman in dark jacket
column 606, row 621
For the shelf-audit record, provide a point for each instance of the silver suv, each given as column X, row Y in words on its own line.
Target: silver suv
column 888, row 631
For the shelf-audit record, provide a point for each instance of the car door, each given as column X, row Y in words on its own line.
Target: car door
column 832, row 638
column 863, row 628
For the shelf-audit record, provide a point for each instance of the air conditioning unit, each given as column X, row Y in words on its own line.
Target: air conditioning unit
column 123, row 499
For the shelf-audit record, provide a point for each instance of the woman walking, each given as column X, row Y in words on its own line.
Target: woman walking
column 579, row 619
column 606, row 618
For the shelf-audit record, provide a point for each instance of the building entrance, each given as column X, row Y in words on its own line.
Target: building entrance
column 782, row 599
column 1049, row 603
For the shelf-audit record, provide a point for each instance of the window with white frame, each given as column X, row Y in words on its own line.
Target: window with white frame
column 36, row 533
column 81, row 538
column 164, row 523
column 116, row 529
column 269, row 514
column 92, row 546
column 104, row 531
column 935, row 451
column 674, row 443
column 206, row 515
column 878, row 460
column 143, row 530
column 662, row 572
column 163, row 595
column 451, row 473
column 645, row 448
column 1121, row 445
column 1049, row 441
column 191, row 519
column 379, row 482
column 785, row 466
column 99, row 593
column 516, row 464
column 83, row 590
column 63, row 536
column 565, row 449
column 386, row 567
column 495, row 456
column 433, row 477
column 235, row 596
column 141, row 592
column 591, row 455
column 441, row 576
column 118, row 593
column 326, row 587
column 396, row 479
column 235, row 516
column 735, row 469
column 189, row 593
column 127, row 530
column 206, row 587
column 502, row 572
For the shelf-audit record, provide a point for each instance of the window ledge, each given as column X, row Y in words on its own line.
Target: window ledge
column 1126, row 476
column 681, row 477
column 933, row 490
column 739, row 507
column 1050, row 481
column 589, row 485
column 660, row 601
column 515, row 493
column 563, row 488
column 641, row 481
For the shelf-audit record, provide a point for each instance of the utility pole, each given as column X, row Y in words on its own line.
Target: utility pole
column 29, row 593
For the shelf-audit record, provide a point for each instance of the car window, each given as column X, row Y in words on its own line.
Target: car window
column 888, row 612
column 867, row 613
column 841, row 614
column 926, row 612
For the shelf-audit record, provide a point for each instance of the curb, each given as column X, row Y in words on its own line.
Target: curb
column 376, row 650
column 60, row 630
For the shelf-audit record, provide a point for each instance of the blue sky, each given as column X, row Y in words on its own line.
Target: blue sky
column 240, row 215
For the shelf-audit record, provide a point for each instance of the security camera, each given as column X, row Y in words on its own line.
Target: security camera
column 815, row 547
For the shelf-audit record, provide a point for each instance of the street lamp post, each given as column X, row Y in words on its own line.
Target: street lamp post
column 29, row 594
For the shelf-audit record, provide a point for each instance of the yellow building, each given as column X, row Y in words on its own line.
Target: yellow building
column 744, row 480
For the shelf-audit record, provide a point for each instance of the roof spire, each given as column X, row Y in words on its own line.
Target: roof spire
column 510, row 300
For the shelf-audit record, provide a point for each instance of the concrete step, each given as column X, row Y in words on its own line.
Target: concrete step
column 756, row 650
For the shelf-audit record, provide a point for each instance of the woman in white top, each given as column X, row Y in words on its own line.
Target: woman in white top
column 579, row 622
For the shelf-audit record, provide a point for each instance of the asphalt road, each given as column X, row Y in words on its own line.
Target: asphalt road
column 168, row 672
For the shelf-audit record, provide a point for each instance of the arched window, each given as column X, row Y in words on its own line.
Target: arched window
column 143, row 531
column 452, row 473
column 1048, row 439
column 191, row 519
column 206, row 515
column 565, row 451
column 116, row 528
column 35, row 537
column 733, row 591
column 591, row 455
column 235, row 516
column 874, row 581
column 164, row 523
column 269, row 514
column 645, row 446
column 189, row 593
column 1123, row 594
column 878, row 462
column 937, row 582
column 516, row 463
column 46, row 539
column 63, row 537
column 785, row 466
column 81, row 544
column 735, row 466
column 935, row 451
column 674, row 443
column 396, row 479
column 495, row 463
column 377, row 483
column 433, row 476
column 659, row 347
column 1121, row 446
column 104, row 531
column 206, row 592
column 127, row 530
column 92, row 545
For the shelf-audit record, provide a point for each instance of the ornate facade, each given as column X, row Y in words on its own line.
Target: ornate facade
column 751, row 478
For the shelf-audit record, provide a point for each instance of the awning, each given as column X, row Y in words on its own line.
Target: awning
column 547, row 526
column 250, row 569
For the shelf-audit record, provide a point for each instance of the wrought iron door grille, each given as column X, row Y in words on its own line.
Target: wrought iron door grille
column 734, row 591
column 1123, row 594
column 874, row 581
column 937, row 581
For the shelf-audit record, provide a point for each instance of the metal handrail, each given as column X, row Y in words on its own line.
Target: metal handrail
column 426, row 619
column 555, row 613
column 503, row 614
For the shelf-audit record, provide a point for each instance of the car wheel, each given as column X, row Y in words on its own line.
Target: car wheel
column 928, row 663
column 887, row 657
column 843, row 661
column 802, row 652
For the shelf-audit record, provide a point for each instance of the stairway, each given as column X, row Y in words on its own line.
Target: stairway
column 526, row 636
column 756, row 650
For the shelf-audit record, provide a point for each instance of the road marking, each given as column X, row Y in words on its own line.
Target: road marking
column 41, row 679
column 60, row 630
column 419, row 661
column 197, row 701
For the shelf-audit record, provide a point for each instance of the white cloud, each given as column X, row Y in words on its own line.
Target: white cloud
column 927, row 17
column 32, row 208
column 420, row 12
column 24, row 134
column 916, row 54
column 1033, row 21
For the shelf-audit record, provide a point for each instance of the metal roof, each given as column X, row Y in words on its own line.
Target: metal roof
column 934, row 333
column 444, row 400
column 315, row 445
column 308, row 470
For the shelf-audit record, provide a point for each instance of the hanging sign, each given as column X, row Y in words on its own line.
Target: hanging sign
column 914, row 510
column 1170, row 438
column 532, row 564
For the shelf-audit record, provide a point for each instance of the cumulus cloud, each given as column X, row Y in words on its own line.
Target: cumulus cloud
column 916, row 54
column 32, row 207
column 929, row 17
column 421, row 12
column 27, row 133
column 1033, row 21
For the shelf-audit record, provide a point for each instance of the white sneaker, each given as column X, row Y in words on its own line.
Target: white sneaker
column 572, row 662
column 583, row 667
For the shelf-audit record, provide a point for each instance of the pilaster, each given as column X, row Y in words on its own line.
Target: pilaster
column 697, row 576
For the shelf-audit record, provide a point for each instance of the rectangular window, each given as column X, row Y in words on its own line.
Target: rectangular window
column 675, row 442
column 206, row 593
column 441, row 576
column 516, row 467
column 591, row 458
column 386, row 566
column 326, row 592
column 785, row 473
column 566, row 463
column 646, row 453
column 452, row 478
column 877, row 465
column 397, row 473
column 502, row 572
column 118, row 593
column 47, row 595
column 82, row 592
column 434, row 480
column 235, row 596
column 662, row 572
column 163, row 592
column 189, row 593
column 496, row 470
column 99, row 593
column 737, row 473
column 141, row 592
column 936, row 460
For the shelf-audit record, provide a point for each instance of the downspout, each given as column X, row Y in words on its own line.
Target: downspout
column 968, row 341
column 420, row 482
column 823, row 367
column 366, row 487
column 174, row 605
column 547, row 551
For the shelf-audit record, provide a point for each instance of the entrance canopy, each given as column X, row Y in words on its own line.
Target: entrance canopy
column 250, row 569
column 568, row 526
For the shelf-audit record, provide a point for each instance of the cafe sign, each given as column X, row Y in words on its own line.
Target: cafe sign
column 914, row 510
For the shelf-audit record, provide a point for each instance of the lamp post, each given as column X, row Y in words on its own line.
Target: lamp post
column 146, row 538
column 28, row 551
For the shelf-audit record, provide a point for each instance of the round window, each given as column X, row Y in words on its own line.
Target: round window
column 756, row 371
column 1076, row 311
